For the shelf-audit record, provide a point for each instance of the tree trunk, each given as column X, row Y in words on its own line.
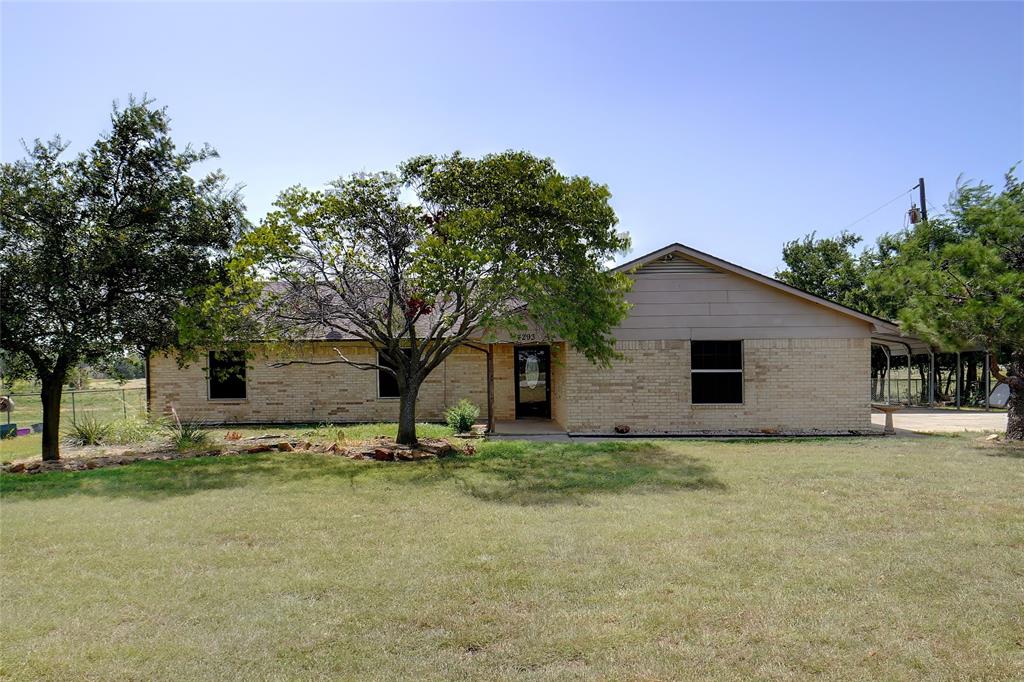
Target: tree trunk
column 407, row 414
column 53, row 386
column 1015, row 408
column 1015, row 416
column 971, row 380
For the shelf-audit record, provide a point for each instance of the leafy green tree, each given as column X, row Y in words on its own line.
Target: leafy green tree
column 97, row 252
column 825, row 267
column 963, row 277
column 417, row 262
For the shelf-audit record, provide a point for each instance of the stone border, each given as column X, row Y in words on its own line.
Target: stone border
column 380, row 449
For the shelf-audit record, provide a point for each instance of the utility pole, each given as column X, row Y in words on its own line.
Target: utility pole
column 924, row 206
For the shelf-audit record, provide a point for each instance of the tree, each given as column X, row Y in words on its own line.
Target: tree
column 825, row 267
column 480, row 245
column 98, row 251
column 963, row 277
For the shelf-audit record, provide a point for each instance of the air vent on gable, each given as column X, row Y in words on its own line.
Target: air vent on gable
column 673, row 264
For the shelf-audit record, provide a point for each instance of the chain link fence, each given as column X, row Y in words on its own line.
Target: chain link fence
column 102, row 404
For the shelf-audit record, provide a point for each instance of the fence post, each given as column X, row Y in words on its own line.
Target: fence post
column 124, row 403
column 988, row 380
column 959, row 373
column 74, row 416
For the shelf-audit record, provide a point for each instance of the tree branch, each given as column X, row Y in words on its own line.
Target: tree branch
column 1014, row 382
column 342, row 360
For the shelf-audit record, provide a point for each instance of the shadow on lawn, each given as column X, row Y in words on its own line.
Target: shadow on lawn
column 515, row 472
column 521, row 472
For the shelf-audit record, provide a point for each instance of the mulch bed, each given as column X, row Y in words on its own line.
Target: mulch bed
column 380, row 449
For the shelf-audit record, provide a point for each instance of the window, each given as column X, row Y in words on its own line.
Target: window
column 227, row 375
column 716, row 372
column 387, row 384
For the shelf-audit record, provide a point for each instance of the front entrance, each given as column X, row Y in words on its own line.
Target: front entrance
column 533, row 382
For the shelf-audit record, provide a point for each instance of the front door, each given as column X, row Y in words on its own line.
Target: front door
column 533, row 381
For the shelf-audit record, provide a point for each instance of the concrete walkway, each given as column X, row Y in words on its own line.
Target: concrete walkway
column 914, row 419
column 934, row 420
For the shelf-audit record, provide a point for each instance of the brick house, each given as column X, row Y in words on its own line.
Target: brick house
column 707, row 346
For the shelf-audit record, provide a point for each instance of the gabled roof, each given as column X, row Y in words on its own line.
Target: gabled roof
column 878, row 324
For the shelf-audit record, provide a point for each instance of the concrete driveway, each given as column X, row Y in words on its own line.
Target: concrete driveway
column 934, row 420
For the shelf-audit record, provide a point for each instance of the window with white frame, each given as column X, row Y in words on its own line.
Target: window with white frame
column 716, row 372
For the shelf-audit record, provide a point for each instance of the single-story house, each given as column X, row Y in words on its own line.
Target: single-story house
column 708, row 346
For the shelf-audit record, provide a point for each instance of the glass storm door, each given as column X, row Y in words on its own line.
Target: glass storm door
column 533, row 382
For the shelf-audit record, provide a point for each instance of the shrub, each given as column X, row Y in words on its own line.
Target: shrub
column 132, row 430
column 188, row 434
column 462, row 417
column 88, row 430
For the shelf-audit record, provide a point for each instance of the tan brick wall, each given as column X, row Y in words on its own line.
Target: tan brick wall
column 559, row 386
column 327, row 393
column 504, row 386
column 788, row 385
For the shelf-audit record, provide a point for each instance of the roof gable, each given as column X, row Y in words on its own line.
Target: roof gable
column 678, row 259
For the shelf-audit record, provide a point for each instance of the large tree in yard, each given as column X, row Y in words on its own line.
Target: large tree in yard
column 445, row 250
column 962, row 274
column 100, row 250
column 825, row 267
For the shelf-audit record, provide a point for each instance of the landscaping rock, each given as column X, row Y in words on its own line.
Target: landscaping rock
column 440, row 448
column 259, row 448
column 285, row 446
column 622, row 428
column 383, row 455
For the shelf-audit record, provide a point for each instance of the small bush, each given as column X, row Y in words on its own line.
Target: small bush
column 462, row 417
column 132, row 430
column 88, row 430
column 186, row 435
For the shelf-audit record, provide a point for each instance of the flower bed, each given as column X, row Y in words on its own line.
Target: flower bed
column 380, row 449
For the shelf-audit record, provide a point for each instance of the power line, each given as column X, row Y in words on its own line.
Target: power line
column 868, row 215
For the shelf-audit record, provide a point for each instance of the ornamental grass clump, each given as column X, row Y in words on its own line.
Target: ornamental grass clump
column 132, row 430
column 188, row 434
column 88, row 430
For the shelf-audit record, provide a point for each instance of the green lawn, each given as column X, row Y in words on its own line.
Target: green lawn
column 845, row 559
column 105, row 400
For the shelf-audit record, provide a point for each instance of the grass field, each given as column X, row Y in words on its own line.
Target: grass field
column 844, row 559
column 105, row 399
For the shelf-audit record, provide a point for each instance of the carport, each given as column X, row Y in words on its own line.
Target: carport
column 893, row 343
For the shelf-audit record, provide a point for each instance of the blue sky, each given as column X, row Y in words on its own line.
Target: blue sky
column 728, row 127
